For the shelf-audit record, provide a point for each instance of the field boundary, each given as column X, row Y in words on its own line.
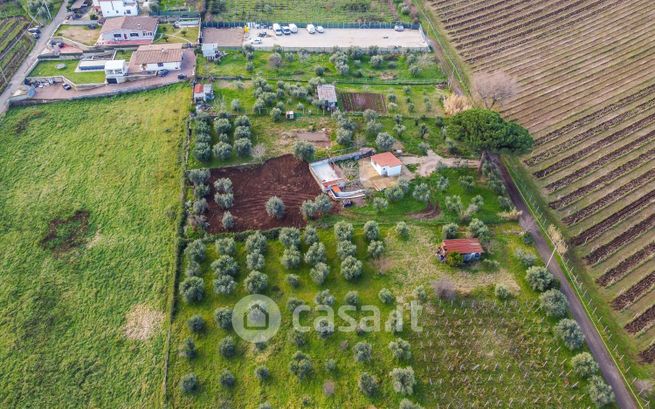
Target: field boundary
column 582, row 294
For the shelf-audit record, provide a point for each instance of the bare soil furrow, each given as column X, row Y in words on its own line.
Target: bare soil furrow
column 617, row 272
column 569, row 143
column 595, row 147
column 624, row 238
column 580, row 173
column 634, row 293
column 609, row 198
column 648, row 355
column 598, row 114
column 607, row 223
column 603, row 180
column 642, row 322
column 490, row 17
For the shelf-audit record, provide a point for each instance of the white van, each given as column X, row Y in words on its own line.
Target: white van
column 277, row 29
column 293, row 28
column 311, row 29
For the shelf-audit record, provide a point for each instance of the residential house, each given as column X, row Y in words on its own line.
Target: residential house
column 128, row 30
column 386, row 164
column 157, row 57
column 117, row 8
column 470, row 249
column 115, row 71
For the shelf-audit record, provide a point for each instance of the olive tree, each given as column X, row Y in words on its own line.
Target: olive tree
column 303, row 151
column 352, row 298
column 400, row 349
column 363, row 351
column 368, row 384
column 449, row 231
column 289, row 237
column 386, row 296
column 554, row 303
column 223, row 317
column 225, row 285
column 256, row 243
column 301, row 365
column 584, row 365
column 319, row 273
column 371, row 230
column 345, row 249
column 375, row 248
column 192, row 289
column 324, row 298
column 422, row 192
column 539, row 278
column 291, row 258
column 275, row 207
column 315, row 254
column 570, row 333
column 227, row 347
column 343, row 231
column 384, row 141
column 256, row 282
column 351, row 268
column 402, row 230
column 189, row 383
column 600, row 392
column 403, row 380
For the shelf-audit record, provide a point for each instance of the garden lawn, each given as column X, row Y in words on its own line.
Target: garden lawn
column 176, row 35
column 49, row 69
column 63, row 341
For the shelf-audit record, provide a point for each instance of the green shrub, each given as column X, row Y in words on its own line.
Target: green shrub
column 570, row 333
column 363, row 351
column 554, row 303
column 351, row 268
column 275, row 207
column 227, row 379
column 386, row 296
column 301, row 365
column 352, row 298
column 256, row 282
column 324, row 298
column 584, row 365
column 223, row 317
column 539, row 278
column 189, row 383
column 192, row 289
column 501, row 292
column 400, row 349
column 449, row 231
column 227, row 347
column 402, row 230
column 403, row 380
column 368, row 384
column 196, row 323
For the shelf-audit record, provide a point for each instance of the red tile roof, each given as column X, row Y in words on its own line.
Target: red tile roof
column 143, row 23
column 386, row 159
column 462, row 246
column 198, row 89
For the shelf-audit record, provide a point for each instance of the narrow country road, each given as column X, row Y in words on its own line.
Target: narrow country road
column 608, row 368
column 17, row 79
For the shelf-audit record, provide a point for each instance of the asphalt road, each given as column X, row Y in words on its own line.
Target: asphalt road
column 21, row 73
column 607, row 367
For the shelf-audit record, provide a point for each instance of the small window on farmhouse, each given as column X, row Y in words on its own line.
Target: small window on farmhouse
column 128, row 11
column 134, row 34
column 160, row 64
column 117, row 36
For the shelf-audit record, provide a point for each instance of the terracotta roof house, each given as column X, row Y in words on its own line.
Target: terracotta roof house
column 158, row 57
column 471, row 249
column 128, row 30
column 386, row 164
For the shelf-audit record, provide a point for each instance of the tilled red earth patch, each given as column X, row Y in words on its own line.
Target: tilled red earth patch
column 252, row 185
column 634, row 293
column 643, row 321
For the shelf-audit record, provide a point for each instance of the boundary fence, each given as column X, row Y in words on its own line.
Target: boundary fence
column 619, row 360
column 255, row 24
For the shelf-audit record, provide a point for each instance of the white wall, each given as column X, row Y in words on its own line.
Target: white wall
column 141, row 35
column 117, row 8
column 390, row 171
column 171, row 66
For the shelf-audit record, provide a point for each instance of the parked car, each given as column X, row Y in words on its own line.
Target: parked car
column 262, row 34
column 320, row 29
column 293, row 28
column 66, row 86
column 286, row 30
column 162, row 73
column 36, row 35
column 256, row 40
column 311, row 29
column 399, row 27
column 181, row 76
column 33, row 30
column 277, row 29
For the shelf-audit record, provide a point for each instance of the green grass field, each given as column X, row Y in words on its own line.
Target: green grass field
column 49, row 69
column 336, row 11
column 63, row 340
column 404, row 266
column 176, row 35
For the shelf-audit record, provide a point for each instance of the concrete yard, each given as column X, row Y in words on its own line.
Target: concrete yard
column 343, row 38
column 224, row 37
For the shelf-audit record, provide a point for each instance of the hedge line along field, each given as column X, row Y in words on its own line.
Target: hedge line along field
column 586, row 75
column 88, row 243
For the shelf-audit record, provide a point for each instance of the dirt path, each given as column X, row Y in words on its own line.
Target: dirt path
column 608, row 368
column 431, row 162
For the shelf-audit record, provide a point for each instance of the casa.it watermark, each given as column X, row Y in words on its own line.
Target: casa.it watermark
column 257, row 318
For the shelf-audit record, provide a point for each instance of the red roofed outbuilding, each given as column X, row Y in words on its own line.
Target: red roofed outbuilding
column 386, row 164
column 471, row 249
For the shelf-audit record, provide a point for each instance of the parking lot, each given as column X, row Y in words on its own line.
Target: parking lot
column 385, row 39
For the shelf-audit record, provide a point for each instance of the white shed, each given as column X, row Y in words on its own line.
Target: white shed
column 386, row 164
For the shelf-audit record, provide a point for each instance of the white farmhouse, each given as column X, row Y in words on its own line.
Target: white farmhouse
column 117, row 8
column 386, row 164
column 158, row 57
column 128, row 30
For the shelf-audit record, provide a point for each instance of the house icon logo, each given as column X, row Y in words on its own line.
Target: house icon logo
column 256, row 318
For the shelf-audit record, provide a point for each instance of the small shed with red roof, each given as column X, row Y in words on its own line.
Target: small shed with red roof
column 386, row 164
column 471, row 249
column 203, row 93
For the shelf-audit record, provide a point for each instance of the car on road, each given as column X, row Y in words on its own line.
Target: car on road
column 66, row 86
column 256, row 40
column 181, row 76
column 320, row 29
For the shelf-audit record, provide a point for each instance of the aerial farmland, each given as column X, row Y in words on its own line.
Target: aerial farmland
column 328, row 204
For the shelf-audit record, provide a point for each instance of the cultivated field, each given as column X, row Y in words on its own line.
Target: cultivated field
column 15, row 44
column 285, row 176
column 90, row 203
column 586, row 74
column 361, row 101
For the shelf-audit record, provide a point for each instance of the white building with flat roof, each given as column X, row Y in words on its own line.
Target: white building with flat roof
column 118, row 8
